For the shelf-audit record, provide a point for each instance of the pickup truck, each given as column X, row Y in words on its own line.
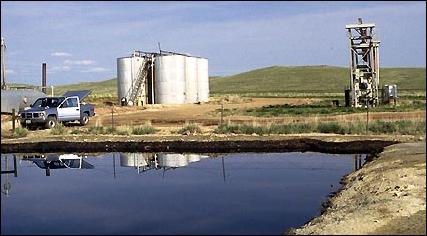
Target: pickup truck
column 48, row 111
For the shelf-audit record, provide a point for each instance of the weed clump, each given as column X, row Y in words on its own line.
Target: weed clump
column 58, row 129
column 20, row 132
column 145, row 129
column 191, row 128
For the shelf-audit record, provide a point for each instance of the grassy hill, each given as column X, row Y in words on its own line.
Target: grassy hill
column 310, row 78
column 101, row 88
column 277, row 79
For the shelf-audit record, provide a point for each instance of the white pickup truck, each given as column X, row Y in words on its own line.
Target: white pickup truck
column 48, row 111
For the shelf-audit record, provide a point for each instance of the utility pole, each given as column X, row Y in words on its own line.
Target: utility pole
column 3, row 64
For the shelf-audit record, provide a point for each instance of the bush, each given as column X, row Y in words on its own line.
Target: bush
column 96, row 130
column 145, row 129
column 58, row 129
column 20, row 132
column 330, row 127
column 110, row 130
column 77, row 131
column 190, row 129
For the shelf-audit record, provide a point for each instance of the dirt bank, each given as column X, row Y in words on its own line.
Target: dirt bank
column 386, row 196
column 296, row 144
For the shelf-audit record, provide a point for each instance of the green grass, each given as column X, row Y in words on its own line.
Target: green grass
column 310, row 79
column 376, row 127
column 59, row 129
column 324, row 108
column 285, row 81
column 191, row 128
column 144, row 129
column 19, row 132
column 106, row 88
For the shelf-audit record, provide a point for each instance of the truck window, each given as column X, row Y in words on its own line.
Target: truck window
column 72, row 102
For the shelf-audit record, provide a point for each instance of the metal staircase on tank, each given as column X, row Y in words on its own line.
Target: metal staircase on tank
column 141, row 79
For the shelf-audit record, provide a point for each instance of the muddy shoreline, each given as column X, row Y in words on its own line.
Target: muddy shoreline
column 386, row 196
column 227, row 146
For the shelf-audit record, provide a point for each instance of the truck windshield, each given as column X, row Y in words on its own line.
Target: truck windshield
column 48, row 102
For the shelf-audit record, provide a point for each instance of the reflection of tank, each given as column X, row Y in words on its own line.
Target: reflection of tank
column 172, row 160
column 195, row 157
column 141, row 161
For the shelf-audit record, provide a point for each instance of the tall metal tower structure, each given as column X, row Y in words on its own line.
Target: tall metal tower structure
column 364, row 64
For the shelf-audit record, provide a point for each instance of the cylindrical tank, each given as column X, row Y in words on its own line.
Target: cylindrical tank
column 172, row 160
column 202, row 80
column 133, row 159
column 124, row 77
column 190, row 80
column 127, row 72
column 170, row 79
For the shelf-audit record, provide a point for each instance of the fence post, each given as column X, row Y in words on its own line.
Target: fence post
column 112, row 117
column 13, row 119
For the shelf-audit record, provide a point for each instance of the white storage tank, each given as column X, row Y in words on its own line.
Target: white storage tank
column 191, row 79
column 202, row 80
column 127, row 73
column 172, row 160
column 170, row 79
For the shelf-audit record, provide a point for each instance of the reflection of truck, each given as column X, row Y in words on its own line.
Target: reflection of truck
column 48, row 111
column 64, row 161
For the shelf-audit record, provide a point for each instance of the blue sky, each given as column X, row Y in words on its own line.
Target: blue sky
column 80, row 41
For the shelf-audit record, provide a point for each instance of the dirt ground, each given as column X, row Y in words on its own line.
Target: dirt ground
column 385, row 196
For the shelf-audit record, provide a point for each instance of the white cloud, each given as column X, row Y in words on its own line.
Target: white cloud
column 9, row 71
column 59, row 68
column 95, row 69
column 79, row 62
column 60, row 54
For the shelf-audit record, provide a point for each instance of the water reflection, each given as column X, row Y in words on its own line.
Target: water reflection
column 7, row 171
column 361, row 159
column 265, row 193
column 56, row 161
column 148, row 161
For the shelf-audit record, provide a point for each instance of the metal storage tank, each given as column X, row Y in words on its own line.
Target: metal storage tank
column 172, row 160
column 18, row 99
column 133, row 159
column 202, row 80
column 127, row 72
column 190, row 80
column 170, row 79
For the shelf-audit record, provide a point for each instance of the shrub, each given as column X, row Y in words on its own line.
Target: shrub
column 190, row 129
column 96, row 130
column 145, row 129
column 20, row 132
column 110, row 130
column 58, row 129
column 330, row 127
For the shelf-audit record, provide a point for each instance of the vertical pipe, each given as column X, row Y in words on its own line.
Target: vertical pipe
column 44, row 78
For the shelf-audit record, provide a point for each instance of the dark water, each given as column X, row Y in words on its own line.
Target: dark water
column 119, row 193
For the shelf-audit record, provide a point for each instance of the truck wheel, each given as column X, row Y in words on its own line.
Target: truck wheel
column 85, row 119
column 51, row 122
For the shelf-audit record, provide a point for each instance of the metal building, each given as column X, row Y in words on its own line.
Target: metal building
column 364, row 64
column 162, row 78
column 18, row 99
